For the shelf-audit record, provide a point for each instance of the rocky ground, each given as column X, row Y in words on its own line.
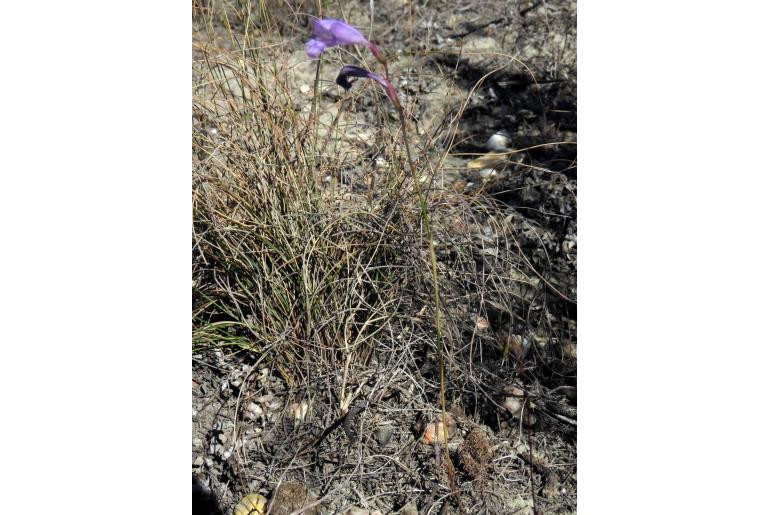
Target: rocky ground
column 466, row 71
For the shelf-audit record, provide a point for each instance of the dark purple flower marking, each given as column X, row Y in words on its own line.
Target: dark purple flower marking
column 348, row 71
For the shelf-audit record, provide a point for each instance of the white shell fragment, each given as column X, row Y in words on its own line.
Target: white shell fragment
column 300, row 412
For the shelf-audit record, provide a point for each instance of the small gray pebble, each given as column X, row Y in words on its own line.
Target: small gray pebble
column 384, row 434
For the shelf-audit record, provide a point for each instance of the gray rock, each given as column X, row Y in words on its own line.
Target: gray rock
column 384, row 434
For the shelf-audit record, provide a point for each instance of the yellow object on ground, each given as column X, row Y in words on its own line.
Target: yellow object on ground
column 490, row 160
column 252, row 504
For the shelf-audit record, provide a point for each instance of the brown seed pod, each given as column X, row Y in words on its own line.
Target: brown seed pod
column 290, row 497
column 475, row 453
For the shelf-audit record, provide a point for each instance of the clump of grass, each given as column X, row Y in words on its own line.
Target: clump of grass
column 321, row 282
column 302, row 273
column 282, row 266
column 277, row 262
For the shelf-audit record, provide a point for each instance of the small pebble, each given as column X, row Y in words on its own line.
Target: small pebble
column 355, row 510
column 380, row 162
column 482, row 324
column 487, row 173
column 435, row 431
column 254, row 410
column 499, row 141
column 384, row 434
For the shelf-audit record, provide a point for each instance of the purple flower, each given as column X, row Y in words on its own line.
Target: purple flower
column 347, row 71
column 329, row 33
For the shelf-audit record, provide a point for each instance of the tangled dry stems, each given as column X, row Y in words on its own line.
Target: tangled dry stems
column 329, row 285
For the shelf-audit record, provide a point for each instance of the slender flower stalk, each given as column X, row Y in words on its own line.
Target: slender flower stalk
column 329, row 33
column 343, row 79
column 436, row 298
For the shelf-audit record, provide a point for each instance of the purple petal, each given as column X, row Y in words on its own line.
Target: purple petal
column 322, row 31
column 314, row 48
column 330, row 32
column 347, row 34
column 337, row 32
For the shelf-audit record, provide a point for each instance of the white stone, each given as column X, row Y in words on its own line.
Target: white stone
column 498, row 141
column 487, row 173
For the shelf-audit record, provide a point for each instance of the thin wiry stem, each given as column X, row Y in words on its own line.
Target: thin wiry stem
column 315, row 116
column 436, row 297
